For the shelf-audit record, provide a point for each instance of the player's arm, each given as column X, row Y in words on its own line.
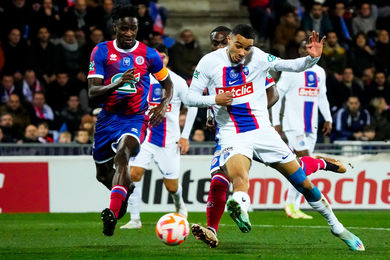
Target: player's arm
column 272, row 92
column 185, row 134
column 314, row 49
column 323, row 106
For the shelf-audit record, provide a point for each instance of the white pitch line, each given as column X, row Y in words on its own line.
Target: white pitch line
column 315, row 227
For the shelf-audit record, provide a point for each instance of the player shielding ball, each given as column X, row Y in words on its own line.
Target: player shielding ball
column 235, row 79
column 119, row 78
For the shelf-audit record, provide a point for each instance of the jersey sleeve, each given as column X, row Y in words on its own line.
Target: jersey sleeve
column 282, row 87
column 269, row 81
column 323, row 103
column 293, row 65
column 156, row 65
column 200, row 80
column 96, row 64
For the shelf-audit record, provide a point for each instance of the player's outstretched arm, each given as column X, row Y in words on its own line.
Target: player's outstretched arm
column 272, row 96
column 157, row 113
column 314, row 46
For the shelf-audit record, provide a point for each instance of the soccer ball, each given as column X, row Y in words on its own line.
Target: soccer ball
column 172, row 229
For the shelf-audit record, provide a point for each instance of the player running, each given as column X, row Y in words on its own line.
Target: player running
column 235, row 79
column 163, row 143
column 119, row 78
column 220, row 183
column 305, row 93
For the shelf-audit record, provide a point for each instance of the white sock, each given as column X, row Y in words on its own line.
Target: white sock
column 323, row 207
column 293, row 197
column 134, row 201
column 243, row 199
column 177, row 198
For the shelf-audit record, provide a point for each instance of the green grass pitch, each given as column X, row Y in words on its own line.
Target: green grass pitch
column 273, row 236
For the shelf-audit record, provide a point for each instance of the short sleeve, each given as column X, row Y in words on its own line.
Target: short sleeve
column 269, row 81
column 96, row 64
column 156, row 65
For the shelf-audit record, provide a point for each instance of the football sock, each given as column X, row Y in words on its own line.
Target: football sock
column 177, row 198
column 216, row 200
column 293, row 197
column 323, row 207
column 243, row 199
column 118, row 196
column 134, row 201
column 311, row 165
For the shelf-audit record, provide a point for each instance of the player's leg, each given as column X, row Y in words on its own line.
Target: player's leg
column 294, row 173
column 136, row 174
column 105, row 172
column 175, row 190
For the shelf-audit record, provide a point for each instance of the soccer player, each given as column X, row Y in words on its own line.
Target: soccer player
column 163, row 143
column 119, row 79
column 220, row 182
column 235, row 78
column 305, row 93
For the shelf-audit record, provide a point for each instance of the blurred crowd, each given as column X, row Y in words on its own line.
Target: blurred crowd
column 45, row 47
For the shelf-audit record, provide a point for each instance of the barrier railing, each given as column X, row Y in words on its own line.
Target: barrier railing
column 347, row 148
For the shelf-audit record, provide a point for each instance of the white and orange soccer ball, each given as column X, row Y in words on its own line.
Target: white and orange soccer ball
column 172, row 229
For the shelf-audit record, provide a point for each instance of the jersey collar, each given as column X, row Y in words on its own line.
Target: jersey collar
column 126, row 50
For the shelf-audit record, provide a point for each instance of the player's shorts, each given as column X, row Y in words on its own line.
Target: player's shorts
column 265, row 143
column 301, row 141
column 167, row 159
column 109, row 130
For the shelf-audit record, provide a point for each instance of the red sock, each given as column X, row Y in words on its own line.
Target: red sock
column 216, row 200
column 311, row 165
column 118, row 196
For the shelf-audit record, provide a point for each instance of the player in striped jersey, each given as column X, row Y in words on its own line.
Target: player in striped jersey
column 119, row 78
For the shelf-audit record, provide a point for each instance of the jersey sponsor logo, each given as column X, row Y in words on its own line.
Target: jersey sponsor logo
column 196, row 74
column 92, row 66
column 245, row 70
column 113, row 57
column 139, row 60
column 128, row 87
column 126, row 61
column 309, row 92
column 153, row 105
column 271, row 58
column 238, row 91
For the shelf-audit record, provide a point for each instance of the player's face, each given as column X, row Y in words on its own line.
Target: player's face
column 165, row 58
column 218, row 40
column 238, row 47
column 126, row 30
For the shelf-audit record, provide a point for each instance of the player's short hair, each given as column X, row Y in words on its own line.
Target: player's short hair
column 161, row 48
column 124, row 11
column 221, row 29
column 245, row 31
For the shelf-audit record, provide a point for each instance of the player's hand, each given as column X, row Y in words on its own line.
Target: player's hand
column 183, row 145
column 224, row 99
column 127, row 77
column 278, row 129
column 327, row 128
column 314, row 46
column 210, row 122
column 157, row 114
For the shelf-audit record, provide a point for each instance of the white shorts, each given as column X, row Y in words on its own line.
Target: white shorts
column 264, row 143
column 167, row 159
column 301, row 141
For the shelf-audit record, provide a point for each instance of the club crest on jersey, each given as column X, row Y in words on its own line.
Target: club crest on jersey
column 139, row 60
column 113, row 57
column 233, row 74
column 245, row 70
column 92, row 66
column 128, row 87
column 126, row 61
column 157, row 92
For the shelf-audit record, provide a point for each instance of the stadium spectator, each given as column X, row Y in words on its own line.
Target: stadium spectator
column 73, row 56
column 382, row 51
column 285, row 33
column 361, row 55
column 317, row 20
column 145, row 22
column 381, row 118
column 350, row 121
column 346, row 88
column 8, row 86
column 17, row 15
column 198, row 136
column 43, row 133
column 108, row 6
column 82, row 137
column 2, row 58
column 334, row 57
column 15, row 54
column 30, row 135
column 95, row 37
column 365, row 21
column 380, row 88
column 31, row 84
column 59, row 91
column 47, row 16
column 342, row 23
column 80, row 16
column 88, row 124
column 65, row 138
column 44, row 57
column 71, row 115
column 156, row 38
column 262, row 17
column 10, row 133
column 292, row 47
column 41, row 111
column 19, row 113
column 185, row 54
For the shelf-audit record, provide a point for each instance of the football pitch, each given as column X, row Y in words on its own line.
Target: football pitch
column 273, row 236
